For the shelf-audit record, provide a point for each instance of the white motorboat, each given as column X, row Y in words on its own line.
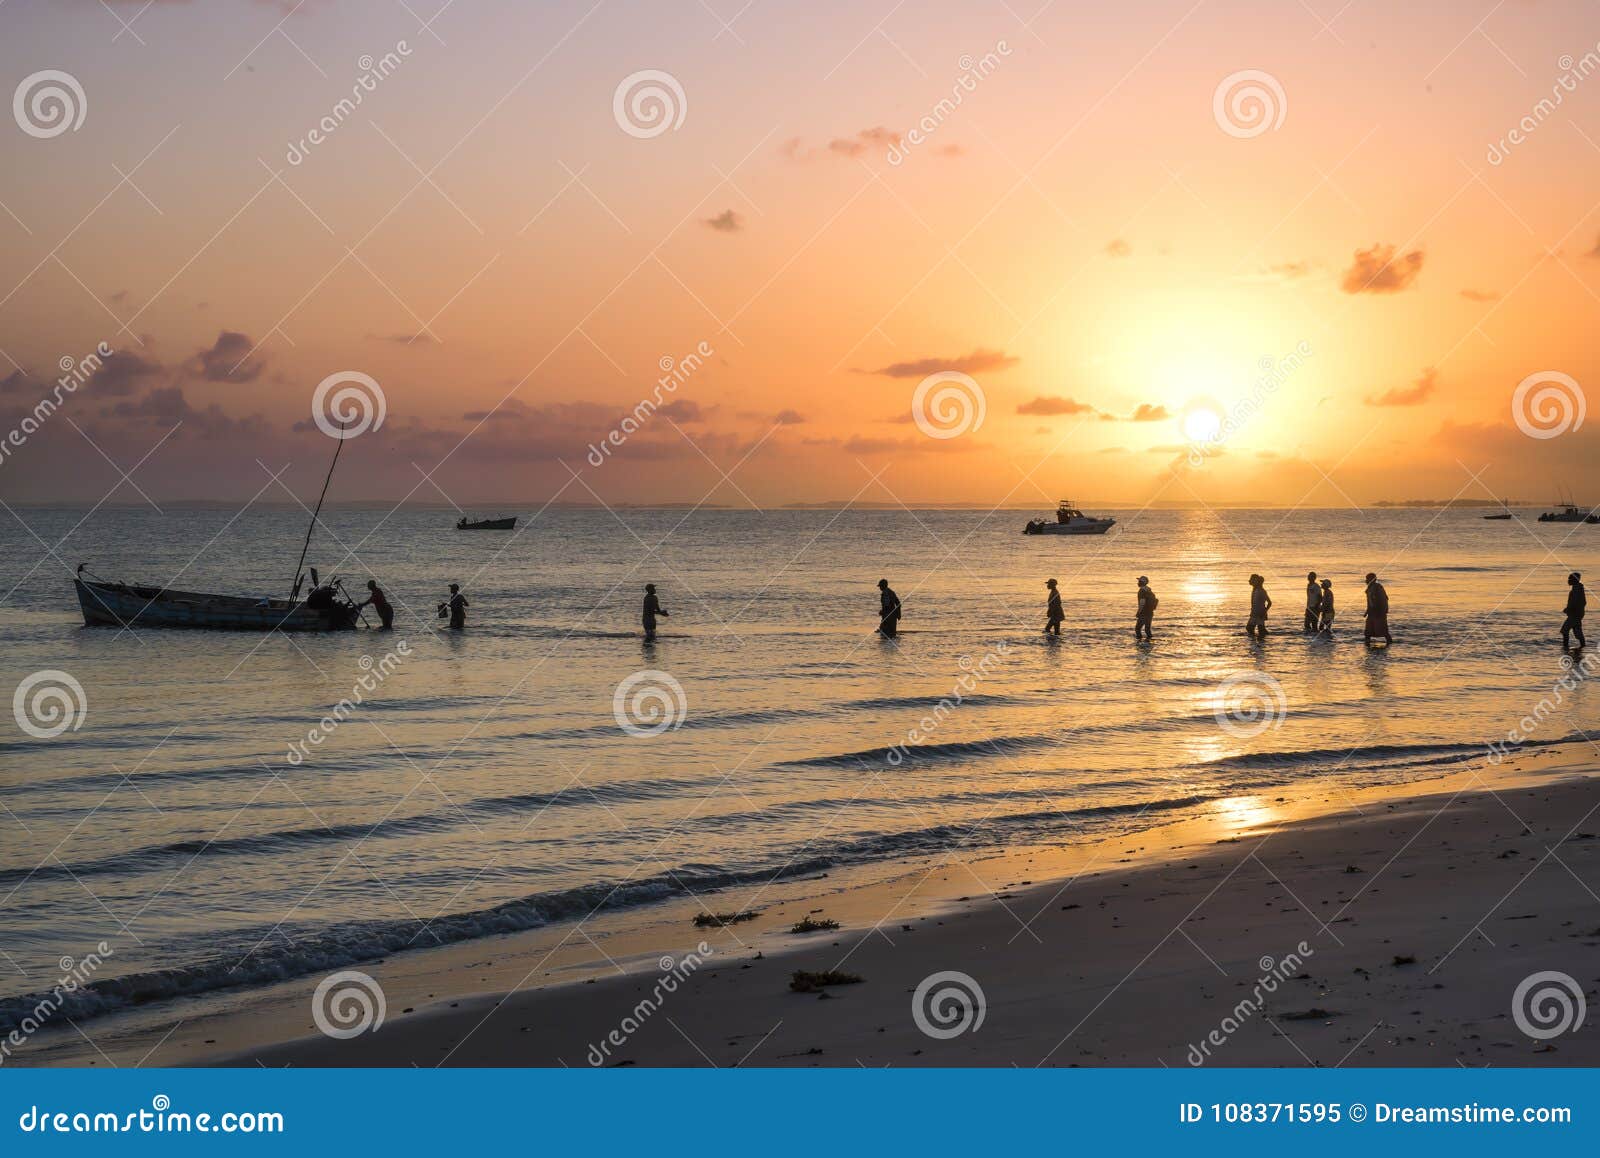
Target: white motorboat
column 1069, row 521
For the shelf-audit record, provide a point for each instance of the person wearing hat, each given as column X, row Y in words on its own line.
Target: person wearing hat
column 1147, row 609
column 1313, row 604
column 1053, row 615
column 652, row 608
column 1260, row 603
column 1377, row 611
column 1576, row 602
column 457, row 608
column 888, row 610
column 1325, row 609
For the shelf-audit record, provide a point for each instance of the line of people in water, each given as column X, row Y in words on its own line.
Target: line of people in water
column 1319, row 611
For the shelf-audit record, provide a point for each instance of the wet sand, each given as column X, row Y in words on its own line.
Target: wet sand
column 1389, row 927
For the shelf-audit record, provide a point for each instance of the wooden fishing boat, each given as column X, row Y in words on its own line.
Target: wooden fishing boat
column 466, row 524
column 325, row 608
column 125, row 605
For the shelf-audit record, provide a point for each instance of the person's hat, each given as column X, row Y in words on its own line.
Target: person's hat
column 650, row 587
column 1574, row 577
column 1143, row 580
column 1372, row 576
column 1257, row 579
column 455, row 587
column 1049, row 582
column 883, row 583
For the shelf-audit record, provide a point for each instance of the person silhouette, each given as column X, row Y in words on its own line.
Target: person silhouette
column 380, row 604
column 1577, row 601
column 1313, row 603
column 1377, row 623
column 652, row 608
column 888, row 610
column 1053, row 615
column 456, row 607
column 1260, row 603
column 1325, row 609
column 1146, row 610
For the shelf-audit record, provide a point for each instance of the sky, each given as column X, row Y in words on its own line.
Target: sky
column 1282, row 254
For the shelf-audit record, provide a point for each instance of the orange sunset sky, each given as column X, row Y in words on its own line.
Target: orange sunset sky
column 1106, row 243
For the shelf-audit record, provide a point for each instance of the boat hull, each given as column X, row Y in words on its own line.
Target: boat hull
column 489, row 525
column 1087, row 527
column 122, row 605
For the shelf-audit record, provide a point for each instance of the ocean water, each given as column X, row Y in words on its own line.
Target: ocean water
column 486, row 782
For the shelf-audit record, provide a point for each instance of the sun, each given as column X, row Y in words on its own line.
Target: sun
column 1202, row 422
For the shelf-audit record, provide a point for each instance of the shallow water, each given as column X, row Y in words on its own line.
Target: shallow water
column 485, row 784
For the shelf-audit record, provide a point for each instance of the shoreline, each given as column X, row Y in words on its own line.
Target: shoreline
column 1016, row 921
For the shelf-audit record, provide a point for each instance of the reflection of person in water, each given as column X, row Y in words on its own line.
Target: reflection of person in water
column 652, row 608
column 1260, row 603
column 1377, row 611
column 1325, row 609
column 1313, row 602
column 1053, row 615
column 888, row 610
column 1577, row 601
column 1146, row 611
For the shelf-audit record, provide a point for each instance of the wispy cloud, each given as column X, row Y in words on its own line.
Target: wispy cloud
column 973, row 363
column 1414, row 395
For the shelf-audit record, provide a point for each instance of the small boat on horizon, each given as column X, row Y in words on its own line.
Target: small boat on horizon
column 1504, row 512
column 1570, row 513
column 466, row 524
column 1069, row 521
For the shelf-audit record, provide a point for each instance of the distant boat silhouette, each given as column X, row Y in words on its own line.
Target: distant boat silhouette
column 1569, row 513
column 1505, row 512
column 466, row 524
column 1069, row 521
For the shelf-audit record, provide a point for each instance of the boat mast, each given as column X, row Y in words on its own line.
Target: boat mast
column 295, row 594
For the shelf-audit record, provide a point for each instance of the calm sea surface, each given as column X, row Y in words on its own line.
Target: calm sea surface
column 485, row 784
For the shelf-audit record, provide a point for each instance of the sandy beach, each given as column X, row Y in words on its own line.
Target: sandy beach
column 1383, row 927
